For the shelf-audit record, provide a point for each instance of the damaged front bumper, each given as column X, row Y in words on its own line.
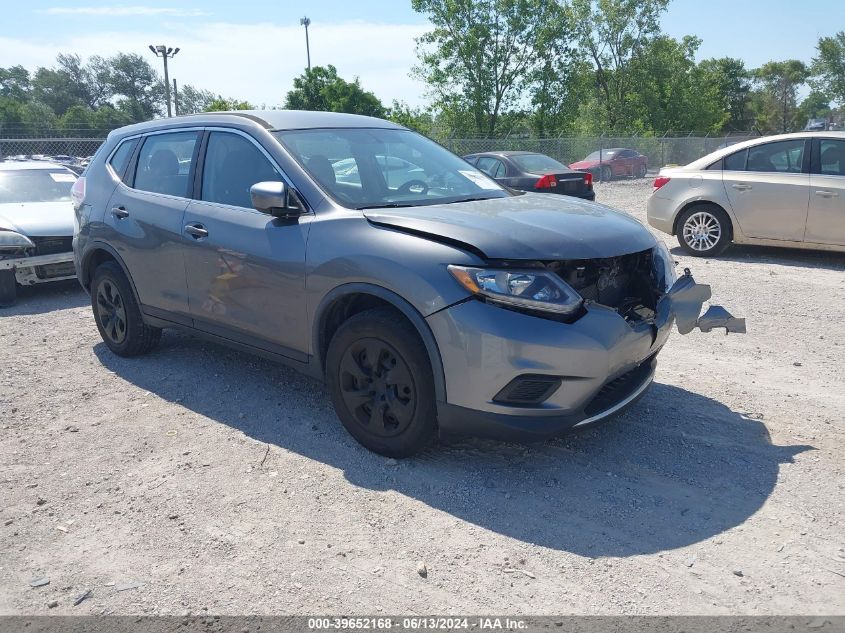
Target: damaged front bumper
column 40, row 268
column 594, row 367
column 683, row 303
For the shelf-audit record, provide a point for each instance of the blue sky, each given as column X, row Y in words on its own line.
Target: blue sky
column 254, row 51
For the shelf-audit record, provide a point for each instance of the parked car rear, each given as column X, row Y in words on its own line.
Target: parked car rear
column 615, row 162
column 530, row 171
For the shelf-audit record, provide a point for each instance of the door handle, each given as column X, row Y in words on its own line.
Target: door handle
column 827, row 194
column 119, row 212
column 197, row 231
column 741, row 186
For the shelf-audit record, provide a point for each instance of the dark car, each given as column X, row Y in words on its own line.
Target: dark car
column 613, row 163
column 529, row 171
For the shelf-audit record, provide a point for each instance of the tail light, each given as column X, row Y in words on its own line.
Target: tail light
column 77, row 192
column 660, row 181
column 588, row 179
column 546, row 182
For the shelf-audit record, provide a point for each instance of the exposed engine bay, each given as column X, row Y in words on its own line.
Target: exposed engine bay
column 629, row 284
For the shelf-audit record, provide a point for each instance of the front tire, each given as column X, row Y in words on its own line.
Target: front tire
column 704, row 230
column 117, row 313
column 606, row 174
column 8, row 288
column 380, row 380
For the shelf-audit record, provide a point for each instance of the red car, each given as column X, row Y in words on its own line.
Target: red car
column 616, row 161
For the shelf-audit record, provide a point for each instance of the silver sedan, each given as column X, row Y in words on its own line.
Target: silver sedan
column 786, row 190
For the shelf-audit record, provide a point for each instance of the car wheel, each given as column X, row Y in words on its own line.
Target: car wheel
column 380, row 380
column 606, row 174
column 704, row 230
column 641, row 170
column 8, row 288
column 117, row 313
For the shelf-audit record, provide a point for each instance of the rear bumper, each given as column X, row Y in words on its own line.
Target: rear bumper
column 661, row 214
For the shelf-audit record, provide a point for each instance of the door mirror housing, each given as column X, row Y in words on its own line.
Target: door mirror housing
column 276, row 199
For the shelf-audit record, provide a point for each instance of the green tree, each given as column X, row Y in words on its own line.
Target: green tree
column 672, row 91
column 78, row 118
column 55, row 88
column 15, row 83
column 130, row 76
column 612, row 34
column 777, row 100
column 221, row 104
column 320, row 88
column 731, row 81
column 829, row 67
column 815, row 106
column 415, row 118
column 482, row 55
column 191, row 100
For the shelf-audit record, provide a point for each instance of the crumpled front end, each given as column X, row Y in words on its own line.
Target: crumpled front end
column 43, row 259
column 515, row 375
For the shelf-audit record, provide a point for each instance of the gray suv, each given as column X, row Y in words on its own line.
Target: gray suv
column 429, row 298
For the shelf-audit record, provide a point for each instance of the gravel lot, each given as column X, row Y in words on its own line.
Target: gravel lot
column 201, row 479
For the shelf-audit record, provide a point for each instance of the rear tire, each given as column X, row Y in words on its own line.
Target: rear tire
column 8, row 288
column 704, row 230
column 380, row 380
column 641, row 170
column 117, row 313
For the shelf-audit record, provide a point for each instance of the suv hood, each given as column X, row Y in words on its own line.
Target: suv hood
column 530, row 227
column 38, row 219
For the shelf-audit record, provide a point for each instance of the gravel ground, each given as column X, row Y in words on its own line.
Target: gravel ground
column 198, row 479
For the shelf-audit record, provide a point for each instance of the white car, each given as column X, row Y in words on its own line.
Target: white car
column 36, row 225
column 786, row 190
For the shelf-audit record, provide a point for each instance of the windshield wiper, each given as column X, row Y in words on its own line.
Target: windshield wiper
column 386, row 205
column 471, row 199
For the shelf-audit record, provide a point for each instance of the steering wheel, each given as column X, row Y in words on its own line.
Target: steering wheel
column 419, row 187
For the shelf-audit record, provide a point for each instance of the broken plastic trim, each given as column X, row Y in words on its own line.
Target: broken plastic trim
column 683, row 302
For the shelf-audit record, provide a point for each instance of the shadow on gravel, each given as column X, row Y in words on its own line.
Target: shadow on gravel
column 42, row 298
column 677, row 469
column 779, row 256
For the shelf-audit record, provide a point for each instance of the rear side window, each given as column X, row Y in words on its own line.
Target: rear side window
column 232, row 165
column 491, row 167
column 120, row 159
column 777, row 157
column 164, row 163
column 736, row 161
column 832, row 157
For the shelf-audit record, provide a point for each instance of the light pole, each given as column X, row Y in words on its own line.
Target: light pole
column 306, row 22
column 164, row 52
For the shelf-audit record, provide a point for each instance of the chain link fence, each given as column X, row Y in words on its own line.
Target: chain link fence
column 660, row 150
column 48, row 147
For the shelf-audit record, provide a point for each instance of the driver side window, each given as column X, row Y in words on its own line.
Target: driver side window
column 232, row 165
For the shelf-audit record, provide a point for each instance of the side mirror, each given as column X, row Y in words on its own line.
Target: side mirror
column 276, row 199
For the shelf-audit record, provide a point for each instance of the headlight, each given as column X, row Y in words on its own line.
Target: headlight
column 12, row 240
column 664, row 265
column 529, row 289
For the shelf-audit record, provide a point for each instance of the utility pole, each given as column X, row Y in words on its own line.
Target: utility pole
column 306, row 22
column 164, row 52
column 175, row 99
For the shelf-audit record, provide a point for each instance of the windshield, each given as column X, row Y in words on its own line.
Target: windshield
column 368, row 168
column 35, row 185
column 536, row 162
column 604, row 154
